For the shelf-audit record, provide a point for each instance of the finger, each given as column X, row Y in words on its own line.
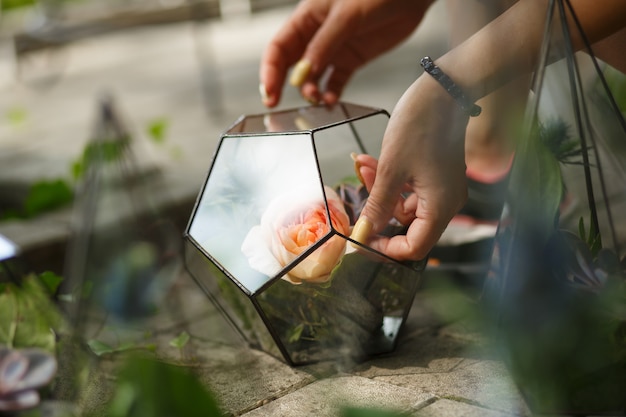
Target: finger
column 316, row 91
column 310, row 92
column 283, row 51
column 337, row 81
column 379, row 207
column 368, row 165
column 404, row 210
column 421, row 236
column 272, row 76
column 336, row 28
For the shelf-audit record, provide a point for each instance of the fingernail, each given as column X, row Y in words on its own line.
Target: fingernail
column 357, row 168
column 361, row 230
column 300, row 72
column 263, row 91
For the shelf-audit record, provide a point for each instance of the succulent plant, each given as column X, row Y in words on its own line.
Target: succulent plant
column 22, row 372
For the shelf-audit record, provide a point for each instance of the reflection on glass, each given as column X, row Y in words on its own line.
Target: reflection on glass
column 247, row 176
column 292, row 223
column 356, row 313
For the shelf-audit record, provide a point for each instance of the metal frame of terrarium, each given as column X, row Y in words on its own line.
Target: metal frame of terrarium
column 193, row 247
column 519, row 275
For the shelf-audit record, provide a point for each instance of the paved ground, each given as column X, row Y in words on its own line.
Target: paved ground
column 442, row 366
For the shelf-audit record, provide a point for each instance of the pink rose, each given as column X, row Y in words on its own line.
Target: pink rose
column 290, row 225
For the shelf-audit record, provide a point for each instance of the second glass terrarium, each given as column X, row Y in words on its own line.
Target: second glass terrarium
column 268, row 240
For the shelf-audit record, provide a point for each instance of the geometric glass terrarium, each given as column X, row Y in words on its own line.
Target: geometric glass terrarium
column 268, row 240
column 558, row 280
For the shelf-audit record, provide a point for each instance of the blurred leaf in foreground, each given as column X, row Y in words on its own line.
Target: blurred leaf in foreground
column 149, row 388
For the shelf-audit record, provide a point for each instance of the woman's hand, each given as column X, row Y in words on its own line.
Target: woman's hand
column 331, row 39
column 420, row 176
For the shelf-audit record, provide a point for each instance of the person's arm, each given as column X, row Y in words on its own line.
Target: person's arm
column 509, row 45
column 423, row 146
column 611, row 50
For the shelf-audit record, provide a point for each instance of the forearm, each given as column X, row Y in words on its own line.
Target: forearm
column 509, row 46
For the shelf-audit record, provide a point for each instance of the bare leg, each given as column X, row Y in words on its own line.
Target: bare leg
column 489, row 141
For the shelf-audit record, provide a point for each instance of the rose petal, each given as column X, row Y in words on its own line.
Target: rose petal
column 256, row 249
column 289, row 226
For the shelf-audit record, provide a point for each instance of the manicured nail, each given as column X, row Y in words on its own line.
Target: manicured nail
column 361, row 230
column 263, row 91
column 357, row 168
column 300, row 72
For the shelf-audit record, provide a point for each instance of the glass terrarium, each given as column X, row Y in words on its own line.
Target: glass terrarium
column 558, row 279
column 268, row 240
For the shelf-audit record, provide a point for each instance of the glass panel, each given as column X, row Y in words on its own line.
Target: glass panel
column 334, row 146
column 357, row 312
column 229, row 299
column 293, row 120
column 249, row 176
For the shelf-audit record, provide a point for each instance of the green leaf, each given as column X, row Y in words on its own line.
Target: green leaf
column 295, row 333
column 8, row 316
column 140, row 392
column 617, row 84
column 27, row 316
column 156, row 130
column 14, row 4
column 47, row 195
column 51, row 281
column 180, row 341
column 38, row 317
column 77, row 169
column 100, row 348
column 102, row 150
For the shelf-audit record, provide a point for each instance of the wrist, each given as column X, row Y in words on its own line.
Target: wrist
column 426, row 92
column 454, row 90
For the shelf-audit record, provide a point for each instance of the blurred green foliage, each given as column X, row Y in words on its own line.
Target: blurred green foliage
column 28, row 316
column 106, row 150
column 15, row 4
column 150, row 388
column 157, row 130
column 617, row 84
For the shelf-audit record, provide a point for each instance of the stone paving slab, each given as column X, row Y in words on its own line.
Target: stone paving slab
column 485, row 383
column 449, row 408
column 326, row 398
column 243, row 379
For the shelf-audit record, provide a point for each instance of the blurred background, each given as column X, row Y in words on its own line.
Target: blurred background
column 178, row 73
